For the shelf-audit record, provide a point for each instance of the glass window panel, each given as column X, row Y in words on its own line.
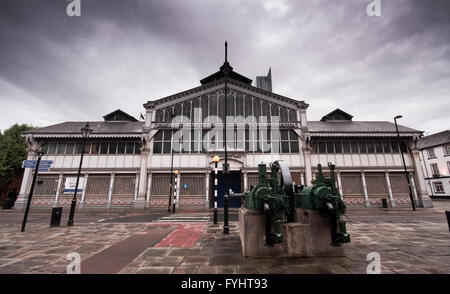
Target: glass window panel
column 322, row 147
column 112, row 148
column 44, row 148
column 283, row 114
column 346, row 147
column 285, row 147
column 313, row 147
column 248, row 105
column 230, row 108
column 52, row 148
column 61, row 148
column 168, row 135
column 187, row 109
column 104, row 148
column 159, row 136
column 205, row 106
column 292, row 115
column 403, row 147
column 256, row 107
column 95, row 148
column 266, row 110
column 167, row 148
column 213, row 104
column 87, row 148
column 284, row 134
column 275, row 146
column 294, row 147
column 77, row 148
column 338, row 147
column 121, row 148
column 177, row 110
column 168, row 114
column 239, row 104
column 387, row 147
column 394, row 146
column 159, row 117
column 69, row 148
column 370, row 147
column 378, row 147
column 330, row 147
column 274, row 110
column 137, row 148
column 157, row 147
column 362, row 147
column 354, row 147
column 130, row 148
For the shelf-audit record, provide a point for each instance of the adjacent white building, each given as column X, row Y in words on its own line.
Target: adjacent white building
column 128, row 162
column 435, row 158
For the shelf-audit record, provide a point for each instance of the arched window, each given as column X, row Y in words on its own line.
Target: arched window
column 205, row 106
column 292, row 115
column 159, row 117
column 213, row 104
column 230, row 105
column 274, row 110
column 248, row 105
column 239, row 104
column 187, row 109
column 177, row 110
column 283, row 114
column 168, row 114
column 195, row 105
column 266, row 110
column 256, row 107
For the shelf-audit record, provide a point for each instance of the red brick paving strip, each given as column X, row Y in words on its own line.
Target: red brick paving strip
column 185, row 235
column 114, row 258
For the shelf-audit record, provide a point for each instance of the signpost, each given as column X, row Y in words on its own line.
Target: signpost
column 38, row 165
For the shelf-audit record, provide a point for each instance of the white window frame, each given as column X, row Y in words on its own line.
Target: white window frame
column 436, row 190
column 430, row 152
column 433, row 170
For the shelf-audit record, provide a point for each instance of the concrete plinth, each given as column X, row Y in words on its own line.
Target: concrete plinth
column 308, row 236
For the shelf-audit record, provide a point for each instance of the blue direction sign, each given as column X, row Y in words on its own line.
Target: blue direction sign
column 44, row 164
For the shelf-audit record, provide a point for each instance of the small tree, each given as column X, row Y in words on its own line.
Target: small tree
column 13, row 150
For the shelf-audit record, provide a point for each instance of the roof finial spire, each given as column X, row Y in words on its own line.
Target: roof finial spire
column 226, row 51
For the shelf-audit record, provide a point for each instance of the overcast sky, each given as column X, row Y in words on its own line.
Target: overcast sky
column 328, row 53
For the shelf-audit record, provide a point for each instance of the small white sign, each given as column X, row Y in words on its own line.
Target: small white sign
column 69, row 185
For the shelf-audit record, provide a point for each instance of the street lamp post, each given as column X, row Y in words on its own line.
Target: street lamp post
column 216, row 161
column 404, row 164
column 85, row 132
column 226, row 70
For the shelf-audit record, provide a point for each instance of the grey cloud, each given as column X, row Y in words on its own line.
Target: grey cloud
column 119, row 54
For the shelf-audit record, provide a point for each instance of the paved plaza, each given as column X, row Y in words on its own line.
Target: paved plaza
column 188, row 242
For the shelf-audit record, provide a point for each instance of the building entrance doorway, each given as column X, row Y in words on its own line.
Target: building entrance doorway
column 234, row 183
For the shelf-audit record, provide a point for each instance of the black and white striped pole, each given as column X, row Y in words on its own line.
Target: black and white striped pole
column 216, row 161
column 175, row 186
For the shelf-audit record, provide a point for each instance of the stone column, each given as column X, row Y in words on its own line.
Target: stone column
column 58, row 189
column 110, row 190
column 308, row 171
column 149, row 189
column 33, row 148
column 391, row 195
column 424, row 199
column 338, row 173
column 366, row 195
column 245, row 180
column 83, row 193
column 139, row 201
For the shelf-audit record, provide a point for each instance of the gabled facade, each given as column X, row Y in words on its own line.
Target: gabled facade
column 435, row 157
column 129, row 163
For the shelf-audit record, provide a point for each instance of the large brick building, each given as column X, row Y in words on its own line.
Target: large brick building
column 128, row 162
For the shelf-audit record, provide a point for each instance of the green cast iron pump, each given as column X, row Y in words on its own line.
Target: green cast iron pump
column 324, row 196
column 275, row 196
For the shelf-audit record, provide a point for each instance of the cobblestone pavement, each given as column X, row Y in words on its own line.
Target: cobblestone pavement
column 406, row 244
